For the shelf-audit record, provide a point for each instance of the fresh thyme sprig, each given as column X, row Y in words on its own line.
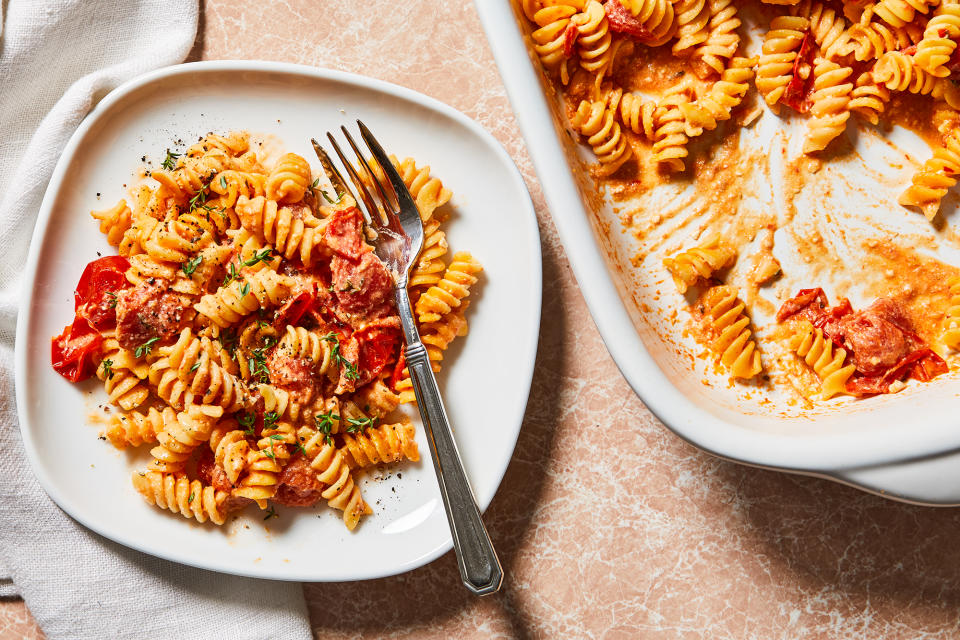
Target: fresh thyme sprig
column 262, row 256
column 324, row 424
column 350, row 368
column 191, row 265
column 170, row 162
column 356, row 425
column 144, row 348
column 232, row 274
column 247, row 421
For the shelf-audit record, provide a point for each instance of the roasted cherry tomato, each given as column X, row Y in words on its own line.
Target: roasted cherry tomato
column 294, row 309
column 398, row 368
column 73, row 352
column 798, row 91
column 96, row 294
column 378, row 347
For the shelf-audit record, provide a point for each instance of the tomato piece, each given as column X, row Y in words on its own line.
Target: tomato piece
column 295, row 308
column 621, row 20
column 378, row 347
column 570, row 39
column 74, row 352
column 95, row 296
column 797, row 93
column 344, row 233
column 398, row 368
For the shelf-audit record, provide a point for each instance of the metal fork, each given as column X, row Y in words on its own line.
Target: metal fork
column 393, row 215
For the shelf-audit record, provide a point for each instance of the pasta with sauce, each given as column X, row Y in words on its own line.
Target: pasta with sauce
column 247, row 332
column 666, row 123
column 816, row 58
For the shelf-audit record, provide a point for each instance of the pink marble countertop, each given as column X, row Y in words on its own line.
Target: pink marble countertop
column 608, row 525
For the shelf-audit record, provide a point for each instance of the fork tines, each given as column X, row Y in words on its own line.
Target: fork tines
column 385, row 198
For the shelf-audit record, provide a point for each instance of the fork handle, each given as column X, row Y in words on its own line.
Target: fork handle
column 479, row 566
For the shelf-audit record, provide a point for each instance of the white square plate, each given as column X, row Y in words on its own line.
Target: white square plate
column 485, row 384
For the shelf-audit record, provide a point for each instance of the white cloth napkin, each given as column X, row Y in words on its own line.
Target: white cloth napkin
column 57, row 59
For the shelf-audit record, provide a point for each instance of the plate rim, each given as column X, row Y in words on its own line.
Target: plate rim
column 682, row 416
column 28, row 288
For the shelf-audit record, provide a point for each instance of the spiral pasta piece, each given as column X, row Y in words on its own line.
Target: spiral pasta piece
column 209, row 384
column 240, row 298
column 114, row 222
column 718, row 103
column 278, row 401
column 333, row 472
column 935, row 178
column 133, row 238
column 232, row 144
column 231, row 451
column 122, row 375
column 670, row 138
column 289, row 180
column 259, row 482
column 430, row 266
column 831, row 100
column 298, row 342
column 436, row 337
column 951, row 320
column 829, row 28
column 899, row 72
column 450, row 292
column 144, row 268
column 177, row 493
column 192, row 371
column 133, row 429
column 722, row 37
column 723, row 311
column 193, row 174
column 180, row 436
column 687, row 267
column 939, row 40
column 550, row 38
column 427, row 191
column 377, row 399
column 292, row 232
column 384, row 444
column 658, row 19
column 898, row 13
column 780, row 47
column 693, row 18
column 231, row 184
column 821, row 355
column 596, row 122
column 594, row 39
column 278, row 442
column 869, row 98
column 635, row 113
column 871, row 40
column 173, row 241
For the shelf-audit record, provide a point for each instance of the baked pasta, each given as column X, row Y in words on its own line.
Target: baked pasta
column 663, row 123
column 823, row 60
column 247, row 334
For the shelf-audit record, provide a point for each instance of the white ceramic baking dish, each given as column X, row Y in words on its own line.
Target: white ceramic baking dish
column 903, row 446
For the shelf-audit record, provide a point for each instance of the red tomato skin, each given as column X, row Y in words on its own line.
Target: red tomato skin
column 74, row 352
column 100, row 278
column 295, row 308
